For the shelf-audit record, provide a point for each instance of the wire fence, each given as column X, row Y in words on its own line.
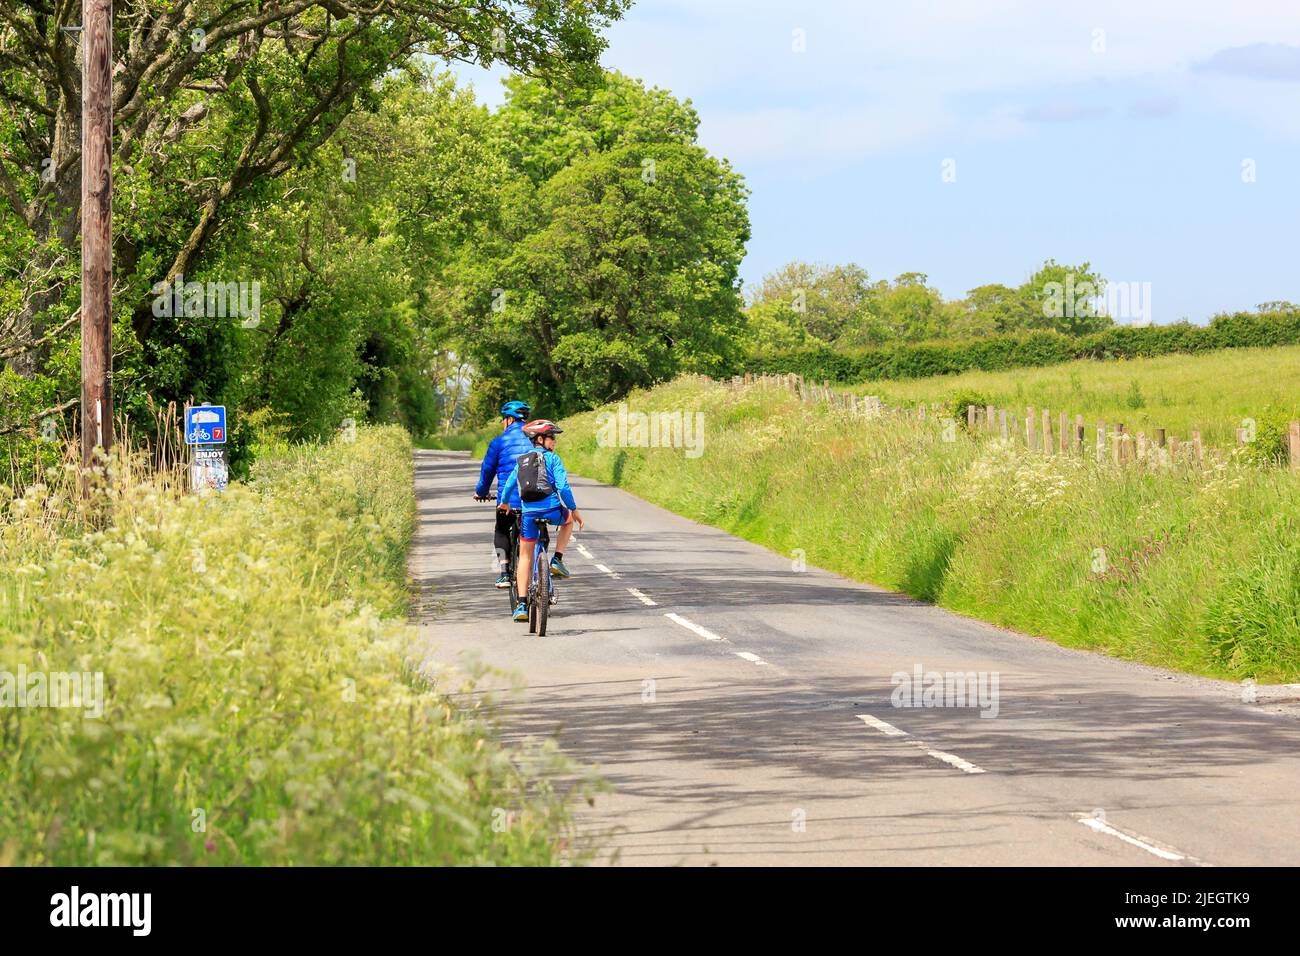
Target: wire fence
column 1039, row 430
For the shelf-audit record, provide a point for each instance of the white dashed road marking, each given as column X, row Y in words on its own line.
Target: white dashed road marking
column 601, row 567
column 704, row 632
column 880, row 725
column 642, row 598
column 953, row 761
column 583, row 551
column 752, row 658
column 891, row 731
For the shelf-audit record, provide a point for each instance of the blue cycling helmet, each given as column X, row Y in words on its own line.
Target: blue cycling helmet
column 516, row 410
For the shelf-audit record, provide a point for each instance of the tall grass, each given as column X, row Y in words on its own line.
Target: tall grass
column 474, row 442
column 260, row 704
column 1211, row 392
column 1197, row 570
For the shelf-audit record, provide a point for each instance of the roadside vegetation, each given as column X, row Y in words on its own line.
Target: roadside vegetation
column 475, row 442
column 1195, row 569
column 260, row 705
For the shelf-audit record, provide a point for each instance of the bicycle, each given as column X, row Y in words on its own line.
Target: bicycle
column 512, row 553
column 512, row 556
column 542, row 583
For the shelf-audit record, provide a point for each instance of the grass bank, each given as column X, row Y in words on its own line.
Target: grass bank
column 1196, row 570
column 258, row 706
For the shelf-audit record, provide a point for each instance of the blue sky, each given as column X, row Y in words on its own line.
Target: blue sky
column 1114, row 132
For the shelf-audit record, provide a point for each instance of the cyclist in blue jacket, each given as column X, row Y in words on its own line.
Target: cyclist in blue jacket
column 558, row 509
column 498, row 462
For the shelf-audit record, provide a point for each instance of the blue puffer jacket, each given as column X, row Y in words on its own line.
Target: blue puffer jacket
column 499, row 461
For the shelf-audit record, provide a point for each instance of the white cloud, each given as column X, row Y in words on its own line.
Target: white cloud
column 1063, row 112
column 943, row 73
column 880, row 76
column 1259, row 61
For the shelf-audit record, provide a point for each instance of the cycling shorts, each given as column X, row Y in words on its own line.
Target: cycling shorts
column 554, row 516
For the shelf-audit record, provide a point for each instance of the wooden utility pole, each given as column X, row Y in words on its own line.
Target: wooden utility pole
column 96, row 228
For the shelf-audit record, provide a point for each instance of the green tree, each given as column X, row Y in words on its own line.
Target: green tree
column 617, row 270
column 1063, row 298
column 994, row 309
column 216, row 105
column 824, row 299
column 906, row 310
column 774, row 326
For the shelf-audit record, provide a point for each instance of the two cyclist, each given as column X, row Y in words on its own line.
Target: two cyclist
column 498, row 462
column 558, row 507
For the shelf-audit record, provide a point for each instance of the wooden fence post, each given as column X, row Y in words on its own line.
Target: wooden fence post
column 1047, row 432
column 1101, row 442
column 1173, row 448
column 1160, row 437
column 1002, row 415
column 1293, row 439
column 1076, row 440
column 1198, row 450
column 1029, row 428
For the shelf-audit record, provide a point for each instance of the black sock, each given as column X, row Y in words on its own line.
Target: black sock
column 559, row 555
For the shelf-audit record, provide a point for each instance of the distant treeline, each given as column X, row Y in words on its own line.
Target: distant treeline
column 1021, row 350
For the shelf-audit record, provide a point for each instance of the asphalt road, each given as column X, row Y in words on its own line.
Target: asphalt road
column 741, row 710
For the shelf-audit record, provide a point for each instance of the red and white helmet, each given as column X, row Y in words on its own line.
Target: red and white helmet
column 540, row 427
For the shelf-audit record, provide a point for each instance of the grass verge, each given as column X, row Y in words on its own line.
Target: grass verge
column 258, row 702
column 1196, row 570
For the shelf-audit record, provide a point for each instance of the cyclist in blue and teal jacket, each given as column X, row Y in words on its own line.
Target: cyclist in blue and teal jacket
column 559, row 509
column 498, row 462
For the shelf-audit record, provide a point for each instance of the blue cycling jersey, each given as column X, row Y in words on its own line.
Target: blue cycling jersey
column 499, row 462
column 559, row 479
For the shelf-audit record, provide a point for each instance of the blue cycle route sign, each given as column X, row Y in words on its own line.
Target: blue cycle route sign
column 205, row 425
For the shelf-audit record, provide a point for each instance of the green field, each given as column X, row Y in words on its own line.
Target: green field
column 1212, row 392
column 1196, row 569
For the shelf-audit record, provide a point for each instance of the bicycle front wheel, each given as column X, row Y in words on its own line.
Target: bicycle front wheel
column 542, row 599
